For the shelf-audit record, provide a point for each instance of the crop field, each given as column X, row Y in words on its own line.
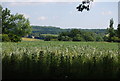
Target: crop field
column 60, row 60
column 30, row 39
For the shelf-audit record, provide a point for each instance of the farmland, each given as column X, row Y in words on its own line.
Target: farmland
column 60, row 60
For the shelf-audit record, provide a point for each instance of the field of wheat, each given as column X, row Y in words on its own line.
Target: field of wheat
column 60, row 60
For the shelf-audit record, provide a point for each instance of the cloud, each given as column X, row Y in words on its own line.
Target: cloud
column 106, row 13
column 42, row 18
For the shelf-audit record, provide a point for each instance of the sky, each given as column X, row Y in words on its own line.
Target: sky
column 64, row 14
column 56, row 0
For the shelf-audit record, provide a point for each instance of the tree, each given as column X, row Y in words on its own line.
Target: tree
column 15, row 26
column 0, row 23
column 0, row 19
column 78, row 37
column 99, row 38
column 88, row 36
column 74, row 32
column 118, row 31
column 111, row 30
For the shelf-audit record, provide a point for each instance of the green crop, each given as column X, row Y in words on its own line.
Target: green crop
column 60, row 60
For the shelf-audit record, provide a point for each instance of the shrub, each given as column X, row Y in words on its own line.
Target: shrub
column 5, row 38
column 14, row 38
column 115, row 39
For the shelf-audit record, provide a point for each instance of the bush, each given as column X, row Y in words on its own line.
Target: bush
column 115, row 39
column 78, row 39
column 54, row 39
column 47, row 38
column 99, row 38
column 5, row 38
column 64, row 38
column 14, row 38
column 106, row 38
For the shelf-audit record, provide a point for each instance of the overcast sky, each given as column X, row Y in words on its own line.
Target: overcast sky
column 65, row 14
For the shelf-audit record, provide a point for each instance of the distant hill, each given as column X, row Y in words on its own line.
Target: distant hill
column 47, row 30
column 56, row 30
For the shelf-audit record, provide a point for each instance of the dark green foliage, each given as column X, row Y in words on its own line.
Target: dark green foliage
column 14, row 38
column 64, row 38
column 5, row 38
column 106, row 38
column 74, row 32
column 115, row 39
column 111, row 31
column 47, row 30
column 60, row 60
column 118, row 31
column 37, row 31
column 58, row 67
column 113, row 35
column 5, row 19
column 0, row 19
column 78, row 35
column 89, row 36
column 99, row 38
column 10, row 38
column 49, row 38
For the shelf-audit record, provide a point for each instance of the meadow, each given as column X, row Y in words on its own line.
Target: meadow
column 60, row 60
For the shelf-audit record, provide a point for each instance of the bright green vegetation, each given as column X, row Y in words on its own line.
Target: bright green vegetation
column 60, row 60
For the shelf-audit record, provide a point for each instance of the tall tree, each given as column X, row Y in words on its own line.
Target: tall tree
column 111, row 30
column 15, row 26
column 118, row 31
column 5, row 21
column 0, row 19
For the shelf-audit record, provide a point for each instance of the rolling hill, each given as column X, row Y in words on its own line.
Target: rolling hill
column 56, row 30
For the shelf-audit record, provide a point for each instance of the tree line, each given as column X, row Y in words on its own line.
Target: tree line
column 77, row 35
column 38, row 30
column 112, row 35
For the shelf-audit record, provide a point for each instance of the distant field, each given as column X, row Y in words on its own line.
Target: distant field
column 50, row 35
column 60, row 60
column 30, row 39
